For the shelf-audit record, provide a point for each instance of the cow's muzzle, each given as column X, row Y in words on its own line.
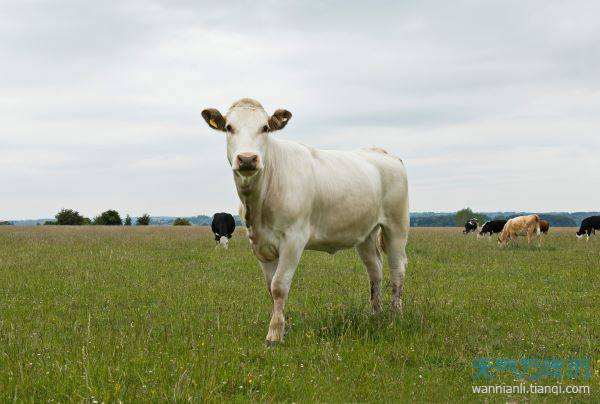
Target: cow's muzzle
column 247, row 163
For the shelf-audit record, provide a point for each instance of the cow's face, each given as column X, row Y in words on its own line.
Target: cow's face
column 247, row 127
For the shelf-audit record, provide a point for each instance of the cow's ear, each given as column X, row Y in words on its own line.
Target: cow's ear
column 279, row 119
column 214, row 119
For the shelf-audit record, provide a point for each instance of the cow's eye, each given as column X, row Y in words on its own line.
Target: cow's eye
column 229, row 128
column 265, row 128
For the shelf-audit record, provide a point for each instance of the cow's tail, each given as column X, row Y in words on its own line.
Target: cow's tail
column 381, row 241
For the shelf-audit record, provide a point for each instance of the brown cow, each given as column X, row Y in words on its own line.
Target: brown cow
column 520, row 226
column 544, row 226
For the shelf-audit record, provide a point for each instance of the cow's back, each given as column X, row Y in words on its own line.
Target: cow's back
column 223, row 224
column 592, row 222
column 522, row 224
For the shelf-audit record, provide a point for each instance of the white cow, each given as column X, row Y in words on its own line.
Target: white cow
column 294, row 197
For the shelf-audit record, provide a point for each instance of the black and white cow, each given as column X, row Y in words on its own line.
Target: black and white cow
column 589, row 225
column 470, row 226
column 492, row 227
column 223, row 225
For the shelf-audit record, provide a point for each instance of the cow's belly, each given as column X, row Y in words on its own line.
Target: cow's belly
column 340, row 232
column 332, row 246
column 520, row 231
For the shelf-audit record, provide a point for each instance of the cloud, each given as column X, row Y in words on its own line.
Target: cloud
column 491, row 105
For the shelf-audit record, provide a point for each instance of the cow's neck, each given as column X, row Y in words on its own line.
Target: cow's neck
column 254, row 191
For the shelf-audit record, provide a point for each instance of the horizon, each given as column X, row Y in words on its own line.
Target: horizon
column 123, row 214
column 487, row 105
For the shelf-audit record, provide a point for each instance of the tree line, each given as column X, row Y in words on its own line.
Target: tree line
column 459, row 218
column 70, row 217
column 417, row 219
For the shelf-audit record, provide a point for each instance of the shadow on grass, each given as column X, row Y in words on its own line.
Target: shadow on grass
column 357, row 323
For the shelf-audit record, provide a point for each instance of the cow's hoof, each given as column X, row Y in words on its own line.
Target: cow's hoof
column 397, row 307
column 271, row 344
column 375, row 308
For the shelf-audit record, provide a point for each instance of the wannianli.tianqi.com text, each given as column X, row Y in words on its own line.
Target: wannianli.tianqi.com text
column 524, row 388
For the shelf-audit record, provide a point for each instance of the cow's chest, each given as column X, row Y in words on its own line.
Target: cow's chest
column 263, row 244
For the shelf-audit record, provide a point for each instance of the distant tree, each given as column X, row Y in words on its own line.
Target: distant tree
column 6, row 223
column 432, row 220
column 108, row 218
column 181, row 222
column 127, row 220
column 50, row 223
column 463, row 215
column 143, row 220
column 557, row 220
column 69, row 217
column 87, row 221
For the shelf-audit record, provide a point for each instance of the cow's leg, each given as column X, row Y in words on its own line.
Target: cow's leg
column 395, row 241
column 269, row 269
column 371, row 257
column 290, row 251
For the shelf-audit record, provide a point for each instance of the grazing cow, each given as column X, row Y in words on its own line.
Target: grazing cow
column 491, row 227
column 519, row 226
column 294, row 197
column 589, row 225
column 544, row 226
column 470, row 226
column 223, row 226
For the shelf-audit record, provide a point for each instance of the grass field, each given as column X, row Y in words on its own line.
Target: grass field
column 161, row 314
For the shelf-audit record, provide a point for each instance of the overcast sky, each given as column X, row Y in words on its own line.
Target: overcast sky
column 492, row 105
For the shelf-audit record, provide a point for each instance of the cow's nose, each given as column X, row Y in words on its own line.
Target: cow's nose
column 247, row 161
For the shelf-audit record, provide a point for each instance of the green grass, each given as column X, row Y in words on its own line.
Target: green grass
column 161, row 314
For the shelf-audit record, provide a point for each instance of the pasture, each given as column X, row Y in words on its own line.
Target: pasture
column 151, row 313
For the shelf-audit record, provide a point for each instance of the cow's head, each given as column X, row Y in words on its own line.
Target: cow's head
column 247, row 127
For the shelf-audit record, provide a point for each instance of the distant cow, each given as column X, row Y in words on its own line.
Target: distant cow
column 492, row 227
column 589, row 225
column 544, row 226
column 295, row 198
column 470, row 226
column 519, row 226
column 223, row 225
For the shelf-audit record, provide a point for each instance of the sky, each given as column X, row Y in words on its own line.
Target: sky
column 492, row 105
